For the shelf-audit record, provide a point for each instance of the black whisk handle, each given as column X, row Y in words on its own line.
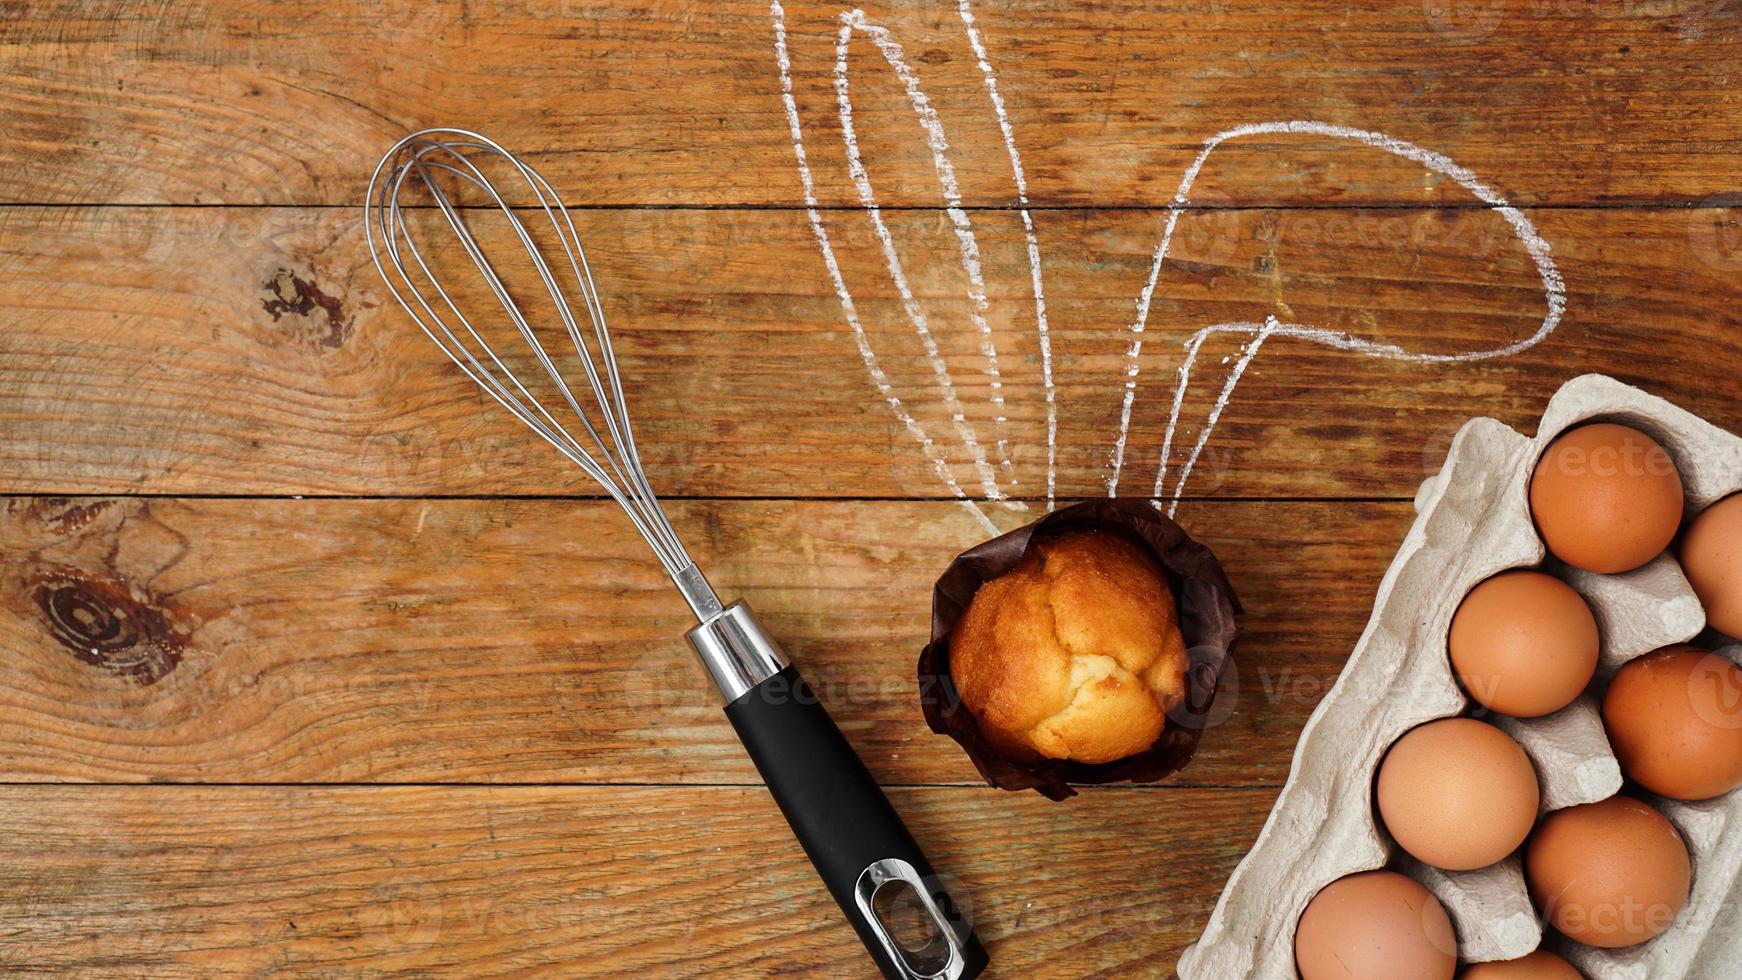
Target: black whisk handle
column 901, row 909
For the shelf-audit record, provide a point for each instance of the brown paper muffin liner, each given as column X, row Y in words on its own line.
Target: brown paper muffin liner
column 1209, row 620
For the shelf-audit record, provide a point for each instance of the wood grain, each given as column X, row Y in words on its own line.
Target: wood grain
column 248, row 351
column 519, row 766
column 538, row 641
column 620, row 881
column 656, row 102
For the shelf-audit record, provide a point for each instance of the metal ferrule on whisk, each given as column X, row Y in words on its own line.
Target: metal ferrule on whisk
column 736, row 652
column 731, row 644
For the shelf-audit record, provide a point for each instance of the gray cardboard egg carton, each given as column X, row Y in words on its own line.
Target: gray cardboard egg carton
column 1473, row 521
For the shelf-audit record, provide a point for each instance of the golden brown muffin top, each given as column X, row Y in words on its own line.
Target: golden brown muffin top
column 1074, row 653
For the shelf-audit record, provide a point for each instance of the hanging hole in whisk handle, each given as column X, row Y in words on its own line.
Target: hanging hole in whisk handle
column 853, row 836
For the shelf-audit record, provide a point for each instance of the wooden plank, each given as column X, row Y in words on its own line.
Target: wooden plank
column 536, row 641
column 249, row 351
column 185, row 881
column 666, row 102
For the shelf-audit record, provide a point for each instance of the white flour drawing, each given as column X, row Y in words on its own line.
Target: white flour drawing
column 1257, row 334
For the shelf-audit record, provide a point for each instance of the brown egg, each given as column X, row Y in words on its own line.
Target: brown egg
column 1608, row 874
column 1375, row 925
column 1607, row 498
column 1711, row 557
column 1540, row 965
column 1674, row 719
column 1458, row 794
column 1524, row 644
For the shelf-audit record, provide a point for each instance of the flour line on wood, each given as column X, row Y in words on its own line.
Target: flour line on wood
column 855, row 21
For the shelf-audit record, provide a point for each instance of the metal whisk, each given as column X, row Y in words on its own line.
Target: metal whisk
column 857, row 842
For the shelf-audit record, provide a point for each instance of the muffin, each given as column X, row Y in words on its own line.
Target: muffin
column 1074, row 654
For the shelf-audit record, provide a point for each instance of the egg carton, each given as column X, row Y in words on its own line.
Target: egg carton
column 1473, row 521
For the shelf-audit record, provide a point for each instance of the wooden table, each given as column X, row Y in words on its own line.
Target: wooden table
column 315, row 661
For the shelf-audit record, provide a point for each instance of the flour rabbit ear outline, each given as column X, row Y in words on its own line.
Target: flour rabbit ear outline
column 849, row 309
column 855, row 22
column 1554, row 291
column 1043, row 332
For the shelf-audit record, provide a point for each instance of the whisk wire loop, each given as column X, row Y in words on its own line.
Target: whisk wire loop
column 419, row 162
